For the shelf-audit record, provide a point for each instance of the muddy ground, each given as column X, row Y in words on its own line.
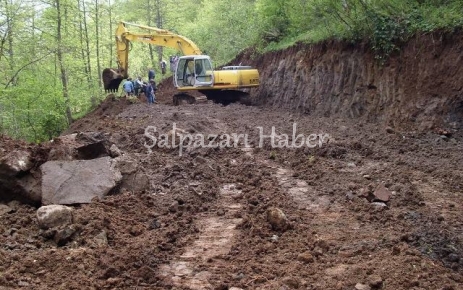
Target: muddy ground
column 203, row 222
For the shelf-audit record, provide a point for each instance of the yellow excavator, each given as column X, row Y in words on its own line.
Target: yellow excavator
column 194, row 71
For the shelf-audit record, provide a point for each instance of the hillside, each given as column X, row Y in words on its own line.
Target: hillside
column 375, row 204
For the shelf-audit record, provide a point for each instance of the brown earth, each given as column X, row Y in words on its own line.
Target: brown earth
column 376, row 206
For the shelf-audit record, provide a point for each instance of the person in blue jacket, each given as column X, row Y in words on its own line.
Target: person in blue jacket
column 128, row 87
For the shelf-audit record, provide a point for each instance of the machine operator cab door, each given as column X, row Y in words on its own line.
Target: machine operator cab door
column 194, row 71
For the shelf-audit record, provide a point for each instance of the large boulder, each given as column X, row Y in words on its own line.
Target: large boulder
column 15, row 162
column 77, row 146
column 75, row 182
column 16, row 180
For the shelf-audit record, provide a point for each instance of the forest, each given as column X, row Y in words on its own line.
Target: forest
column 52, row 52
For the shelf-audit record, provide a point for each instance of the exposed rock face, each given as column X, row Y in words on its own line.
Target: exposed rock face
column 74, row 182
column 338, row 78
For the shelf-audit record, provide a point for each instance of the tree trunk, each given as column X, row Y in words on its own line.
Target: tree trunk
column 111, row 32
column 9, row 32
column 62, row 68
column 159, row 25
column 85, row 42
column 150, row 23
column 97, row 36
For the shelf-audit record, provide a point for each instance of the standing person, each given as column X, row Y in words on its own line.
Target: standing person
column 172, row 64
column 163, row 67
column 151, row 74
column 137, row 86
column 150, row 92
column 128, row 87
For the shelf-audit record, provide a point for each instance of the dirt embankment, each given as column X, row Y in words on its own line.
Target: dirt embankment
column 420, row 86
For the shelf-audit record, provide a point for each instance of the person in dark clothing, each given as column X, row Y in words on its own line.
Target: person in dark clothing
column 150, row 92
column 137, row 86
column 151, row 74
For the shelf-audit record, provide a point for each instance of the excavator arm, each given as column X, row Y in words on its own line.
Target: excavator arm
column 160, row 37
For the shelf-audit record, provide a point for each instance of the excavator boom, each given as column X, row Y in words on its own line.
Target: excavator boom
column 113, row 77
column 194, row 71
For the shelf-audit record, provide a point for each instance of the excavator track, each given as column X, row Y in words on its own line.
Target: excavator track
column 227, row 97
column 183, row 98
column 224, row 97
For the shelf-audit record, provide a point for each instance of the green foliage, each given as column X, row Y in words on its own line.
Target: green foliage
column 37, row 90
column 388, row 33
column 384, row 23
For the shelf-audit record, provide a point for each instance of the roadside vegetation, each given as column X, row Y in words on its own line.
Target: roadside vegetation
column 52, row 52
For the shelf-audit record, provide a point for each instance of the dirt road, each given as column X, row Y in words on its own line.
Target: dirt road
column 371, row 208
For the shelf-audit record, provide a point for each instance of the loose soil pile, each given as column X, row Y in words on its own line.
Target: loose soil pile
column 202, row 224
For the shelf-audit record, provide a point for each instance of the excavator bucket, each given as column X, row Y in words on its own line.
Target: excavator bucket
column 112, row 78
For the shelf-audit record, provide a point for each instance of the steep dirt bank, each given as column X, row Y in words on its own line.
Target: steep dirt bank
column 420, row 86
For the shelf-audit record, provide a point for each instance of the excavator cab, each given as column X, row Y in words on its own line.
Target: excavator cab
column 194, row 71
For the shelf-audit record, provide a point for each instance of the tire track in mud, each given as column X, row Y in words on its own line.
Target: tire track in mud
column 192, row 269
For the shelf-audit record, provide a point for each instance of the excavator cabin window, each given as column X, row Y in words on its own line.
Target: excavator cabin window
column 191, row 72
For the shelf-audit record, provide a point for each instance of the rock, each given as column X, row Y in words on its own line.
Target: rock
column 378, row 204
column 235, row 288
column 360, row 286
column 277, row 219
column 126, row 164
column 375, row 281
column 390, row 130
column 23, row 284
column 381, row 193
column 305, row 257
column 74, row 182
column 4, row 209
column 16, row 181
column 64, row 235
column 84, row 145
column 155, row 224
column 350, row 196
column 133, row 177
column 92, row 145
column 101, row 239
column 274, row 238
column 115, row 151
column 15, row 162
column 51, row 216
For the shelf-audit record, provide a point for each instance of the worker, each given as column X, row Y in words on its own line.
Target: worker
column 128, row 87
column 151, row 74
column 137, row 85
column 163, row 67
column 150, row 92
